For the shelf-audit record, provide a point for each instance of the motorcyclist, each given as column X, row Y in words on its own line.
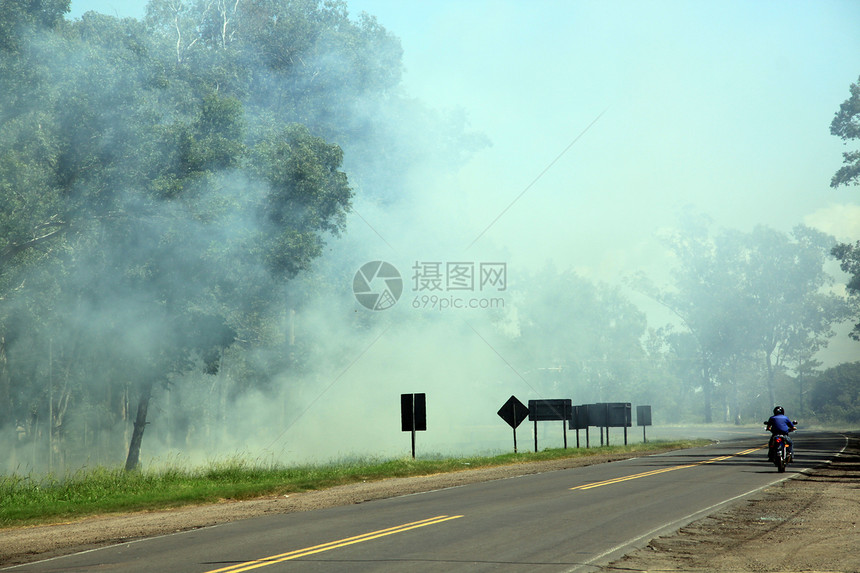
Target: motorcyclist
column 780, row 425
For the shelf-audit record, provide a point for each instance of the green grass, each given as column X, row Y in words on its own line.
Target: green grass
column 28, row 500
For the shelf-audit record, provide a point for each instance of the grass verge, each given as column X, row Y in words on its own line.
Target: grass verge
column 28, row 500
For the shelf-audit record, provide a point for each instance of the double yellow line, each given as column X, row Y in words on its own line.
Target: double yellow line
column 271, row 560
column 662, row 471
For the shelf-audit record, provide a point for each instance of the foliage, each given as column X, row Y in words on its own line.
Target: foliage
column 746, row 298
column 849, row 261
column 846, row 126
column 835, row 396
column 160, row 182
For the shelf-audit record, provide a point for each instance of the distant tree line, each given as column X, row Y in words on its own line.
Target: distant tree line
column 752, row 311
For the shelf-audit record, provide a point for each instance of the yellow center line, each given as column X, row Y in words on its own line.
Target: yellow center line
column 271, row 560
column 664, row 470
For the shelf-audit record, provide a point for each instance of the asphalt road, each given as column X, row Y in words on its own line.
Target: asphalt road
column 571, row 520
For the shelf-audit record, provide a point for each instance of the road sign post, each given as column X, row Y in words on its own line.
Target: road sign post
column 597, row 416
column 643, row 418
column 548, row 410
column 618, row 416
column 514, row 412
column 579, row 421
column 413, row 415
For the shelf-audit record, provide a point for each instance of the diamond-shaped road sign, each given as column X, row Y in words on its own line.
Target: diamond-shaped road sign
column 514, row 412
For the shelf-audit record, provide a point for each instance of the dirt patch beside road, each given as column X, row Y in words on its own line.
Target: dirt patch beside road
column 809, row 523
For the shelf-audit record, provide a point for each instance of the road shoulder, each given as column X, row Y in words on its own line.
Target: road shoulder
column 808, row 523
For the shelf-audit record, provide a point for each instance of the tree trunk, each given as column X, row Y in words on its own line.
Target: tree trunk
column 706, row 389
column 133, row 460
column 734, row 404
column 5, row 388
column 770, row 378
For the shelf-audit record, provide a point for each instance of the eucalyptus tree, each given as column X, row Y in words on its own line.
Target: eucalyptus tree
column 849, row 261
column 793, row 309
column 703, row 298
column 32, row 218
column 846, row 126
column 760, row 294
column 835, row 395
column 173, row 178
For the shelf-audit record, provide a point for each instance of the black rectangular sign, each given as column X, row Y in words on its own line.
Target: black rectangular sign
column 578, row 418
column 413, row 412
column 619, row 415
column 643, row 415
column 597, row 415
column 547, row 410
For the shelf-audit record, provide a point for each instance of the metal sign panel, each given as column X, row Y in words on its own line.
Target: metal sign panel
column 513, row 412
column 597, row 415
column 547, row 410
column 413, row 412
column 420, row 412
column 406, row 414
column 578, row 418
column 619, row 415
column 643, row 415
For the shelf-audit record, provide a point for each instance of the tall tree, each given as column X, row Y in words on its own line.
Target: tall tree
column 751, row 294
column 835, row 396
column 793, row 314
column 173, row 189
column 703, row 299
column 846, row 126
column 849, row 261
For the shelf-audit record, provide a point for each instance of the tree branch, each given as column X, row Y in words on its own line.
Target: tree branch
column 9, row 252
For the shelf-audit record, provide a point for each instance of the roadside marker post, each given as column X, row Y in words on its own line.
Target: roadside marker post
column 413, row 415
column 549, row 410
column 513, row 412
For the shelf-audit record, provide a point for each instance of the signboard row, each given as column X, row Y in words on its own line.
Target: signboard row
column 581, row 417
column 601, row 415
column 413, row 416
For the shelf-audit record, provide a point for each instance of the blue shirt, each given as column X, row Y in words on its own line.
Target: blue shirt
column 779, row 424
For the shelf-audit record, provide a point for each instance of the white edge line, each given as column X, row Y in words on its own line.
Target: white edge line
column 681, row 522
column 669, row 526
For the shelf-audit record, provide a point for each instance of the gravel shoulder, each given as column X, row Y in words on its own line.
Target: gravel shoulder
column 811, row 520
column 808, row 523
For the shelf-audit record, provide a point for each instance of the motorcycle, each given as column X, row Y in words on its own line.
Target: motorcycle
column 779, row 452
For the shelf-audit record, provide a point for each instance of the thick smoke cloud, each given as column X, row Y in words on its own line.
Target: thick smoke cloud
column 319, row 378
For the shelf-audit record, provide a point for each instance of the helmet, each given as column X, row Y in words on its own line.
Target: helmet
column 778, row 411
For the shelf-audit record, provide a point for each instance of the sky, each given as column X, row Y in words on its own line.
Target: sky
column 723, row 107
column 608, row 120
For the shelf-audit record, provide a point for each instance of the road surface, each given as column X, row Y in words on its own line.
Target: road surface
column 570, row 520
